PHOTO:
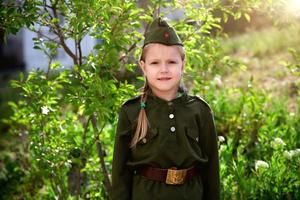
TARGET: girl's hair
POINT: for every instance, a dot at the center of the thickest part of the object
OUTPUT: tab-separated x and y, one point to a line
145	49
142	120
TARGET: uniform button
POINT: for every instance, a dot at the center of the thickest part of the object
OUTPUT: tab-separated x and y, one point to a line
197	139
172	129
171	116
144	140
170	103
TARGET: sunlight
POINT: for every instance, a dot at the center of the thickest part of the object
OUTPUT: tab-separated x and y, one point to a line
293	7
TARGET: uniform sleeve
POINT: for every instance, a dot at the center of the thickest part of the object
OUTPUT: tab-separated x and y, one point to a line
121	174
210	174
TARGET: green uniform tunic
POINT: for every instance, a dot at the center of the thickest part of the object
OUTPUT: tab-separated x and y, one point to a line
181	134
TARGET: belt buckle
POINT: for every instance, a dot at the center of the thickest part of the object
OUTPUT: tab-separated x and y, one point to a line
176	177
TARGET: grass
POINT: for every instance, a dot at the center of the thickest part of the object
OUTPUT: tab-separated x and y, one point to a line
262	52
268	41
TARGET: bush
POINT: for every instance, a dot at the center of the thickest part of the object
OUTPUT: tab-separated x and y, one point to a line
258	144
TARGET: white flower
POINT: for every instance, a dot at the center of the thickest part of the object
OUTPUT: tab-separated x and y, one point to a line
261	164
277	142
297	152
292	114
45	110
292	153
221	139
68	165
287	154
206	87
218	80
222	148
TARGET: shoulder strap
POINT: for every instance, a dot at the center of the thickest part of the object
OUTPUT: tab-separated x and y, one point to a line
132	100
202	101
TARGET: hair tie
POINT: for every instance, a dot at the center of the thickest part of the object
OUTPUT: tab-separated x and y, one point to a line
143	105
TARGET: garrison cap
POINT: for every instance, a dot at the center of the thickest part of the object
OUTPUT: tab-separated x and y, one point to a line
160	32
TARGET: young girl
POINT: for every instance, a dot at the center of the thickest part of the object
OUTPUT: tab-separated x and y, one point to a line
166	143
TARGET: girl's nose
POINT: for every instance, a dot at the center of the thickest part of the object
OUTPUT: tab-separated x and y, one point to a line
164	68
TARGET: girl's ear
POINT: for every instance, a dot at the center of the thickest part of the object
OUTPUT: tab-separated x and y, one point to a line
142	66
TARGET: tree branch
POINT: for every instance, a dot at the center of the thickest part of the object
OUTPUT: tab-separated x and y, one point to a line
130	49
107	183
39	32
80	51
60	35
85	132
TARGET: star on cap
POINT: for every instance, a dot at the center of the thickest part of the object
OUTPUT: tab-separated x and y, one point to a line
166	35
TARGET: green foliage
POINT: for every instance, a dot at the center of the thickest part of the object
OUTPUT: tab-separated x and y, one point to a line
15	15
257	128
65	118
294	66
264	42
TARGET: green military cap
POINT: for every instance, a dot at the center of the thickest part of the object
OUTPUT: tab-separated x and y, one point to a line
160	32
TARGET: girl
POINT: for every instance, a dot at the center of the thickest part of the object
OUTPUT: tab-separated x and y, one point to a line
166	143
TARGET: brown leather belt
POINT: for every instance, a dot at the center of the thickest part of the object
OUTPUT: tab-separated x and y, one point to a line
170	176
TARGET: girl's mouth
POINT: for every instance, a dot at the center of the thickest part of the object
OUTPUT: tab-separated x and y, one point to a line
164	79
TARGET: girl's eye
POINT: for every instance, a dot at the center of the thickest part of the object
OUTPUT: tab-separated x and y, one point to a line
154	63
172	62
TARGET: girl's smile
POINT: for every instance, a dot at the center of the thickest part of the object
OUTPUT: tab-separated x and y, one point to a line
164	78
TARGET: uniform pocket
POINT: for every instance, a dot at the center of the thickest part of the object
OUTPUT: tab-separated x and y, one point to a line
192	134
147	147
151	135
193	141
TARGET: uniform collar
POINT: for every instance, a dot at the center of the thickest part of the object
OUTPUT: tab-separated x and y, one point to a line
181	98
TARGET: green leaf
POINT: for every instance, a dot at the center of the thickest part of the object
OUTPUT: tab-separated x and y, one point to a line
247	16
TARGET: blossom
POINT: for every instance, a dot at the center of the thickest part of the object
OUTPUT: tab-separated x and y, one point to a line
277	142
292	114
45	110
218	80
259	164
287	154
296	152
221	139
292	153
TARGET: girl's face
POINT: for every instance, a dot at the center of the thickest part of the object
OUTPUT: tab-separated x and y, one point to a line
163	67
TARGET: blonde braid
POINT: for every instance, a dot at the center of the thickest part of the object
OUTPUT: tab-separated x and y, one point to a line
142	122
